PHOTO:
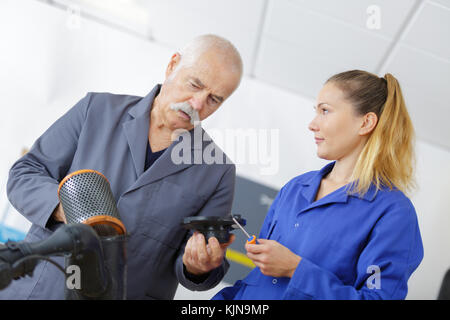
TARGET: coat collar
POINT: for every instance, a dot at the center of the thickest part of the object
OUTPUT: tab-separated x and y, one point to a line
311	186
136	129
144	105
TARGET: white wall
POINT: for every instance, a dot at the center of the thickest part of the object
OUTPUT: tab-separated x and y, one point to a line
47	67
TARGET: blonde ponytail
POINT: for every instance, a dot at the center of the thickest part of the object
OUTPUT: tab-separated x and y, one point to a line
387	159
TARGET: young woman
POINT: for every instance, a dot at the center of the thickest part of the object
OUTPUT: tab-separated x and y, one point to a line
347	231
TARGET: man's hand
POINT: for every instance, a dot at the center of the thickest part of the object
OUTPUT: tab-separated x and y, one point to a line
200	258
58	214
272	258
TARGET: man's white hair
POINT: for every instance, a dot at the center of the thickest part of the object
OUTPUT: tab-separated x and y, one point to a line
199	45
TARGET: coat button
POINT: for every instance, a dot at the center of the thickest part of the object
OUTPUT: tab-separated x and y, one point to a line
274	281
296	225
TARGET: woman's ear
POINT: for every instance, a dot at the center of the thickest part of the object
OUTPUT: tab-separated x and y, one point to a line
173	63
369	123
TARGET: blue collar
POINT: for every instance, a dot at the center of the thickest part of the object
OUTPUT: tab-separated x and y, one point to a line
312	184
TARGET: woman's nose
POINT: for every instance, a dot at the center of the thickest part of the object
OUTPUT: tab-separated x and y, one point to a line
313	125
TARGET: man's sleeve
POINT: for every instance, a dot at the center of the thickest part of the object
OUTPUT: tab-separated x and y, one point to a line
219	205
33	179
229	293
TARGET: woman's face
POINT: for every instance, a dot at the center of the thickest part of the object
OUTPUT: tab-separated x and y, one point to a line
336	126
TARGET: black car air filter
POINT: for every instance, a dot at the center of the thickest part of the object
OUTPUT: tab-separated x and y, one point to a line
218	227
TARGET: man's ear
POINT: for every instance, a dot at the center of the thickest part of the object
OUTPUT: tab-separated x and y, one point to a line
369	123
173	63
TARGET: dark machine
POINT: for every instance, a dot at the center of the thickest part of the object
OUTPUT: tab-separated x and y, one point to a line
94	240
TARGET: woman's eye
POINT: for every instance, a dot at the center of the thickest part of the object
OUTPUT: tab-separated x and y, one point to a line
324	111
193	85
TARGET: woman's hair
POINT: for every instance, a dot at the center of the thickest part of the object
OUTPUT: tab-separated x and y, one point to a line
387	159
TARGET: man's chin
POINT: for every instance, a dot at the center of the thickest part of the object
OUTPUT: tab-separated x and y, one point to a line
182	125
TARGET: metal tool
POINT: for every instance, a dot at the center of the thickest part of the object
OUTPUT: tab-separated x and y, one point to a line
250	239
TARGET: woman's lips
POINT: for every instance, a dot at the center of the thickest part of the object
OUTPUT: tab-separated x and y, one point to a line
318	140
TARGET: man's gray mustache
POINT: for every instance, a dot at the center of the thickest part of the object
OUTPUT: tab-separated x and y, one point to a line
187	108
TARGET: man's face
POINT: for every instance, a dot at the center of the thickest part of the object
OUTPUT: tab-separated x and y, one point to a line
196	89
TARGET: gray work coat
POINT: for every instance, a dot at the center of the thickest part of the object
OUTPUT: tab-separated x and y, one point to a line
109	133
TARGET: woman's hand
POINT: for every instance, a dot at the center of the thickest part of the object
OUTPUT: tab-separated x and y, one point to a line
272	258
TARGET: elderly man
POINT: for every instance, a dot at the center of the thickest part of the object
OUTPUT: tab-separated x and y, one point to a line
131	141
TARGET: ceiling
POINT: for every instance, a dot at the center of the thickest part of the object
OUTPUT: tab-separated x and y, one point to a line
298	44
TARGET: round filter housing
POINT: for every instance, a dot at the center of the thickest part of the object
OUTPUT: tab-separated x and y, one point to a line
86	197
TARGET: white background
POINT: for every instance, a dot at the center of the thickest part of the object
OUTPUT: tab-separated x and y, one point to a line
49	59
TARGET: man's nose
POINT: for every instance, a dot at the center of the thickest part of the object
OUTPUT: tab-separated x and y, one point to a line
197	102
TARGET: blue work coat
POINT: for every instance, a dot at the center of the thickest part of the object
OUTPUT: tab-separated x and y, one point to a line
350	247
